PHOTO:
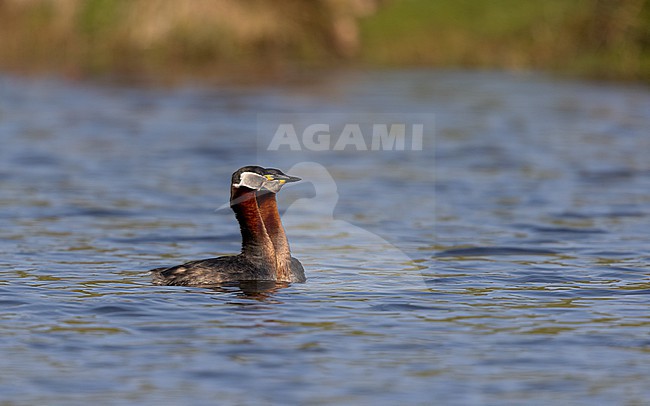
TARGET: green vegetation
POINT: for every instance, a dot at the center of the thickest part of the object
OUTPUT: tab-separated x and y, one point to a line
589	37
596	38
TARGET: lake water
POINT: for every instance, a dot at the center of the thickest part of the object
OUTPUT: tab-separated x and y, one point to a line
504	262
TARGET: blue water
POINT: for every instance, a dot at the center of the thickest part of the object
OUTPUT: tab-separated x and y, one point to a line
506	262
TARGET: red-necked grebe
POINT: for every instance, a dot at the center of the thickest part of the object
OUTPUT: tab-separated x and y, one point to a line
257	260
288	268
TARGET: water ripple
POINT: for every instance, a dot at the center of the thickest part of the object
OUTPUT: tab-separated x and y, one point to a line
493	251
506	263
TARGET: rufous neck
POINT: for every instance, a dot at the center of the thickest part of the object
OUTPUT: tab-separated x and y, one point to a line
255	240
268	207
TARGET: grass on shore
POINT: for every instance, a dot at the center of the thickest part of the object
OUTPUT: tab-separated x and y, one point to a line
597	38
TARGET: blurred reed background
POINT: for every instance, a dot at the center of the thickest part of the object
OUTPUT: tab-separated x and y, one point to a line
592	38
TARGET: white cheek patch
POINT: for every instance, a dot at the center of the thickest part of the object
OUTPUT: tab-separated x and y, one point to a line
273	186
250	180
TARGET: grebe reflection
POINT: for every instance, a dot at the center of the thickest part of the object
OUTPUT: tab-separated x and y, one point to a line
258	260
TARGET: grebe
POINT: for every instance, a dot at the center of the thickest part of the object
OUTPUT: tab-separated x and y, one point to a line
288	268
257	260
